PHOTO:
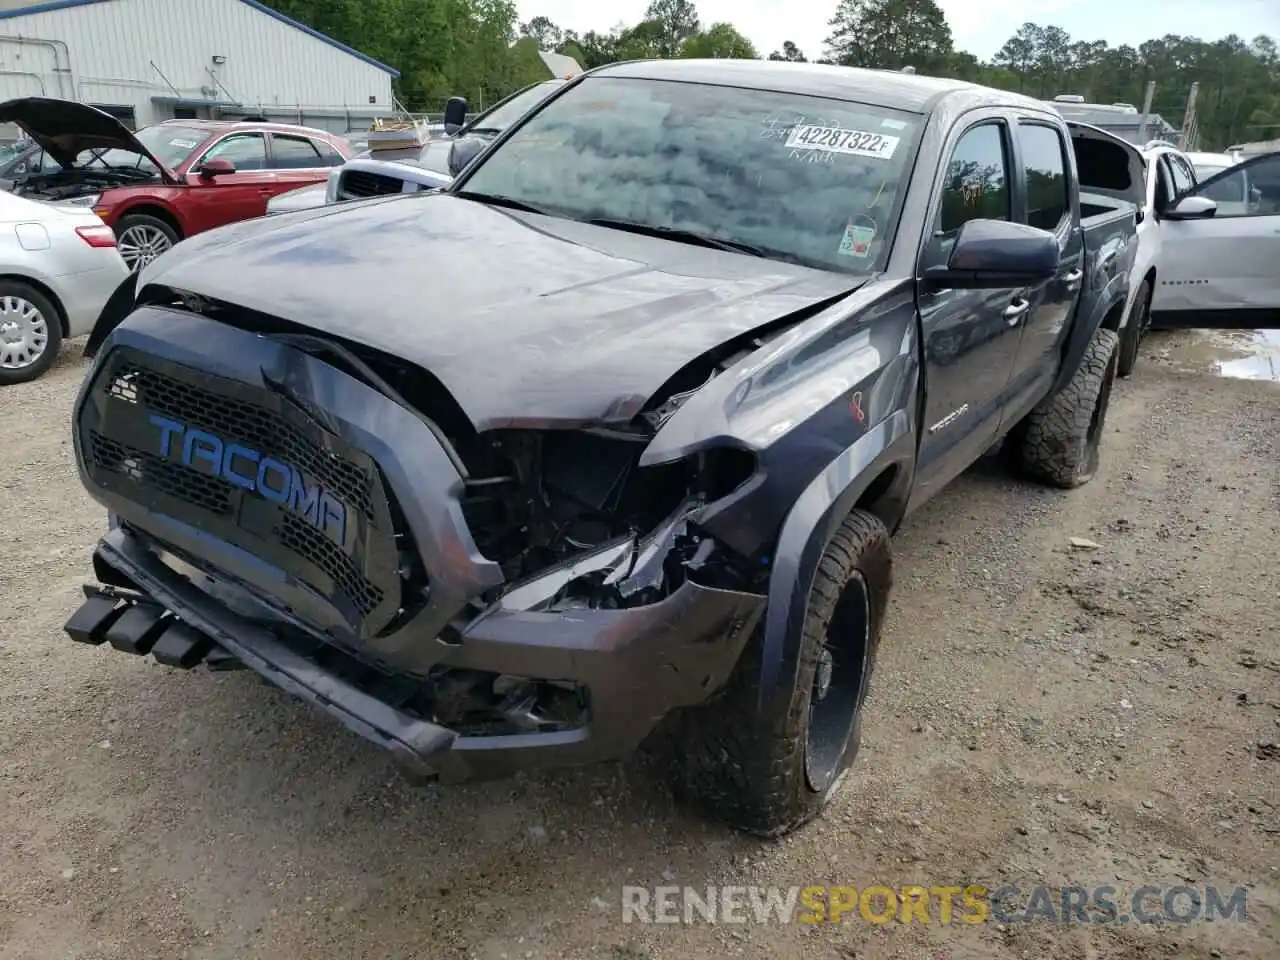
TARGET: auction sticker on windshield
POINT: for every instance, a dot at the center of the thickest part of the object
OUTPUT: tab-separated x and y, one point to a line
841	140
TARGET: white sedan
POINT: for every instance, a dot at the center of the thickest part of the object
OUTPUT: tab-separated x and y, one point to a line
58	267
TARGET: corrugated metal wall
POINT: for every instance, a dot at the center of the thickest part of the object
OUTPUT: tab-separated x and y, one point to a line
126	52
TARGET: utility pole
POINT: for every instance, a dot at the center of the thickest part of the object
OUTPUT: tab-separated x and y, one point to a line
1190	129
1146	111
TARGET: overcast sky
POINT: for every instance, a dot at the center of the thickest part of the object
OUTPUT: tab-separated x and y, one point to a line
979	26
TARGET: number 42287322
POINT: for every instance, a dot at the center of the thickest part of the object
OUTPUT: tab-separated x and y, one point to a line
842	140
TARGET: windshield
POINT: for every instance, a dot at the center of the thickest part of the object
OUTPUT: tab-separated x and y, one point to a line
804	179
511	110
12	151
170	144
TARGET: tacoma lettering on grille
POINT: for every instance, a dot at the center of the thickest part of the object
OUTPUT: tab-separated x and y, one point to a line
157	397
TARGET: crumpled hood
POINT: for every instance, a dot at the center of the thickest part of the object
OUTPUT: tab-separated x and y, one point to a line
65	128
525	319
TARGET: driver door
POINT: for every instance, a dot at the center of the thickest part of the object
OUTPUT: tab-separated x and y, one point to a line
230	197
1220	271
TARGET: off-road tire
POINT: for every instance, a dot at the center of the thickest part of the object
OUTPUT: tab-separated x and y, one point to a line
1059	441
1134	330
746	766
52	319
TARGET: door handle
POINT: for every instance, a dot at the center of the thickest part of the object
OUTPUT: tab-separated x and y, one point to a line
1015	311
1072	279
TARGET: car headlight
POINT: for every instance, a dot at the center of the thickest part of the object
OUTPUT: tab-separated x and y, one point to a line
88	200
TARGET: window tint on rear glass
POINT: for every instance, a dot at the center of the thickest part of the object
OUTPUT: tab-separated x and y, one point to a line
1043	158
805	179
293	152
976	185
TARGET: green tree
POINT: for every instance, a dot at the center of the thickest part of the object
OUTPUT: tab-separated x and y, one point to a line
547	35
890	34
678	21
789	52
719	40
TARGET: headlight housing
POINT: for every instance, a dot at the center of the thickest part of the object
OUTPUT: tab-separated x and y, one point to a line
88	200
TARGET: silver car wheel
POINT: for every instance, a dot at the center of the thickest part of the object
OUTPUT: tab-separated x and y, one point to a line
24	333
140	244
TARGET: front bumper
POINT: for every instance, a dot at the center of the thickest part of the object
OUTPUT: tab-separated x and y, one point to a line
637	665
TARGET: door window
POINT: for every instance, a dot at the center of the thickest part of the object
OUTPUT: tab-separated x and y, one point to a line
248	151
1043	159
1184	177
976	184
1250	189
291	153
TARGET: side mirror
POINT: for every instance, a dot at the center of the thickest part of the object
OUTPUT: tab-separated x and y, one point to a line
462	152
218	165
1192	208
990	254
455	113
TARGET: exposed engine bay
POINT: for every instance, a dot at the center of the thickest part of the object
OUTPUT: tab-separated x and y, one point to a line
81	182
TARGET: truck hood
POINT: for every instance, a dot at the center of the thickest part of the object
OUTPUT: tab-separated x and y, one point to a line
527	320
65	129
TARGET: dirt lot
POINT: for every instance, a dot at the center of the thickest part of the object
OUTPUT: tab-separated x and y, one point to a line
1043	714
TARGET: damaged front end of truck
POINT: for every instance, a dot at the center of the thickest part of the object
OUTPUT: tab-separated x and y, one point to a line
478	602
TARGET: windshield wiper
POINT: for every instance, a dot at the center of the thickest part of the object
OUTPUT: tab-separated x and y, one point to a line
682	236
497	200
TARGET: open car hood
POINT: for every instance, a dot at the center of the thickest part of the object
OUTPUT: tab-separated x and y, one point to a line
64	129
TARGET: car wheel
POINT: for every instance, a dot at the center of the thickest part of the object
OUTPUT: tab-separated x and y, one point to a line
30	333
1059	442
1134	330
141	238
770	770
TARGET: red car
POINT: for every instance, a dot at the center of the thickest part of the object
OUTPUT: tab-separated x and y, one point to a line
171	180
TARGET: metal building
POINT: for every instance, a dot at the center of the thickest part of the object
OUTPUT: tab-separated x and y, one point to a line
151	60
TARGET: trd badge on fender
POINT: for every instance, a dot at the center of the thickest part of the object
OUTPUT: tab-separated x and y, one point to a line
273	480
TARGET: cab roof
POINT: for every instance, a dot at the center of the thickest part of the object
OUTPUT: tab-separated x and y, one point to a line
900	91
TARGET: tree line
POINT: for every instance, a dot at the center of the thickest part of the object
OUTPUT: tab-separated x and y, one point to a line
480	50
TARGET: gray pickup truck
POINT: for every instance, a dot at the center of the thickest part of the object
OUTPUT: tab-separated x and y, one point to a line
607	438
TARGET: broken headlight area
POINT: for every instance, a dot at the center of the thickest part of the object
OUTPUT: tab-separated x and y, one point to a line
575	522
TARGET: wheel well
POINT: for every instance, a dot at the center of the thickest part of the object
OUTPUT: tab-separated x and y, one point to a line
160	213
48	294
1112	320
875	500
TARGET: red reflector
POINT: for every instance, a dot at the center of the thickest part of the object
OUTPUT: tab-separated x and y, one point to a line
98	236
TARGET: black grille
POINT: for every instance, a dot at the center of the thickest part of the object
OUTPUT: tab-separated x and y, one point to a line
122	452
354	184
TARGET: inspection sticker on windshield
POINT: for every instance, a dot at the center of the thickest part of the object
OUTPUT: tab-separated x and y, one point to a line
184	144
842	140
857	241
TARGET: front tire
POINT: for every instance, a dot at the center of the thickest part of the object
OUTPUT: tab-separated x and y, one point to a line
1059	442
30	333
769	771
141	238
1134	330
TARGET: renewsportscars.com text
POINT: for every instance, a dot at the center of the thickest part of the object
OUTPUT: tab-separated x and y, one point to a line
945	904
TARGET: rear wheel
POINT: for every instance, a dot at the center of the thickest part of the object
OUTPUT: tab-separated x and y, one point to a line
1059	442
1134	330
141	238
770	770
30	332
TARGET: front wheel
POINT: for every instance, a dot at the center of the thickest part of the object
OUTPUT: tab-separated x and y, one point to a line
770	770
1134	330
141	238
1059	442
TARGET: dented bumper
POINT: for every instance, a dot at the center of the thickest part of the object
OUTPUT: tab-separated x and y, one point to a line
635	665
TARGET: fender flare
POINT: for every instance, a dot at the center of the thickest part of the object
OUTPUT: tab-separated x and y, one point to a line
1115	293
809	526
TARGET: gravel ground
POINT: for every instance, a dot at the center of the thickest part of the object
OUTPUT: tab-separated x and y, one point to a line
1043	714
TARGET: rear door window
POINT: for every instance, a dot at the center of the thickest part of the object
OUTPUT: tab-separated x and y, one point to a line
1044	160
